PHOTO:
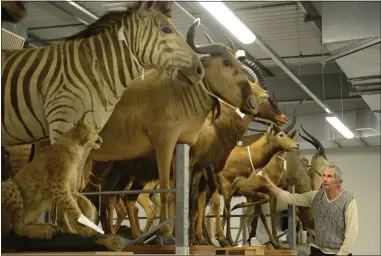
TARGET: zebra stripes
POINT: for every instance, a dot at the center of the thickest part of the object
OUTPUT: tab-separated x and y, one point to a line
45	90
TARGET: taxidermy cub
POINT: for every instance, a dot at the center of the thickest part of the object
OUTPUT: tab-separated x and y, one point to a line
46	180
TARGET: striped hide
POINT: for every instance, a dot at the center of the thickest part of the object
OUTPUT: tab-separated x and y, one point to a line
46	90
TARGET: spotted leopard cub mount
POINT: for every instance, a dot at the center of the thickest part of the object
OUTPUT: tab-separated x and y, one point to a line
46	179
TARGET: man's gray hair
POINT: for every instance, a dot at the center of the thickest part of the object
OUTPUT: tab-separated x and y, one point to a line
337	170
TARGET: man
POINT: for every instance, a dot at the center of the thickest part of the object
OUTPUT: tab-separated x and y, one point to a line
335	212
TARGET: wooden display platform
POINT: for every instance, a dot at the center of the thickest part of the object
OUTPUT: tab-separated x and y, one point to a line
66	253
280	252
244	250
169	249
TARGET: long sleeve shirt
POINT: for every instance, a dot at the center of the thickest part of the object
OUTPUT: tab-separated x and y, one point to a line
351	219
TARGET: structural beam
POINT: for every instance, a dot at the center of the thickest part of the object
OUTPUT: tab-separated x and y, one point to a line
364	92
34	38
311	15
352	48
283	65
291	222
72	8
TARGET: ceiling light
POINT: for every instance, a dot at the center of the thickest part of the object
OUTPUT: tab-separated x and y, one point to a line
82	9
227	18
340	127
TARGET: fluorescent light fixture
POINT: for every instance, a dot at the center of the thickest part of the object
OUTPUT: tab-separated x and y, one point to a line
328	111
340	127
82	9
227	18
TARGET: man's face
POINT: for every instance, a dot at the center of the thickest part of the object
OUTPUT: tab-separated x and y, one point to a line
329	179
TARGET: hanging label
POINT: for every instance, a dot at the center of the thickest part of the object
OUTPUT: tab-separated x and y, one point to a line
85	221
242	115
284	162
121	35
143	74
240	53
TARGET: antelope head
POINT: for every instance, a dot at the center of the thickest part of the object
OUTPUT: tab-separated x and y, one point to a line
275	136
224	75
267	108
318	162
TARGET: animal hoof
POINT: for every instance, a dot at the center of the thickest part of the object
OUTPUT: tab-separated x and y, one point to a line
168	240
223	242
48	233
230	240
57	228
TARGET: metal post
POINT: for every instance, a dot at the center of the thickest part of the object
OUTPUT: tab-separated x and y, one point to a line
291	222
182	199
244	231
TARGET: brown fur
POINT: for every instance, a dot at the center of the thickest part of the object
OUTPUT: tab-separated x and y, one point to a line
46	179
238	163
153	115
213	146
295	174
13	11
218	138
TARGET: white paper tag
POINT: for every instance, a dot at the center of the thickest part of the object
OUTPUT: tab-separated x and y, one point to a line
240	53
239	143
121	36
85	221
242	115
285	165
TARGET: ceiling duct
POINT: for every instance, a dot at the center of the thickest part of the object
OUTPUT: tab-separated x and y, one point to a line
351	32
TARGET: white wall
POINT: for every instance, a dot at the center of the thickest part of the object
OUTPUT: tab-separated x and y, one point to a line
361	174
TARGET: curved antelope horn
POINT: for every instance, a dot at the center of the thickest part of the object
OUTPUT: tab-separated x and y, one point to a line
208	38
250	73
213	49
318	144
257	71
267	122
256	130
309	140
292	125
275	100
231	43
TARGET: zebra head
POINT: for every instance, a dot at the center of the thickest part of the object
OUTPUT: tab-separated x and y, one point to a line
157	43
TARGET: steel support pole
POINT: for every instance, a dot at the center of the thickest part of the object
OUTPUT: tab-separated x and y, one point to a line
182	199
291	222
244	231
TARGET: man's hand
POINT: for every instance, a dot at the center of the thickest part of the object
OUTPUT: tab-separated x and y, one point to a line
264	179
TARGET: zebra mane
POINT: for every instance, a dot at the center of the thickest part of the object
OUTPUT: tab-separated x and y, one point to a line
104	23
108	20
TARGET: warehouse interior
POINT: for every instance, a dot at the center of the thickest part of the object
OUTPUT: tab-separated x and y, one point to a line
330	50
